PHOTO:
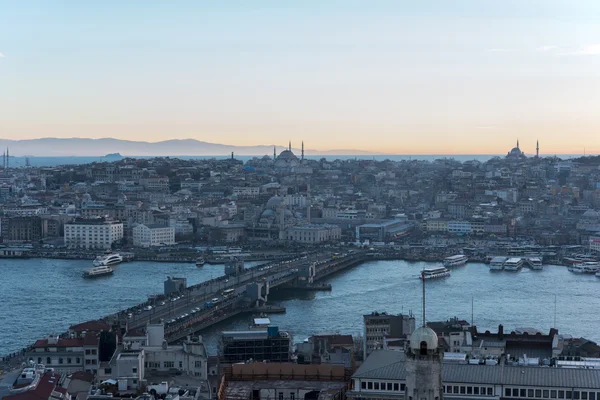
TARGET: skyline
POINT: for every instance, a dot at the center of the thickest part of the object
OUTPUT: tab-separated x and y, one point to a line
458	77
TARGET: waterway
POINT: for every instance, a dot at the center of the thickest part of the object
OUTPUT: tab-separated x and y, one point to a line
44	296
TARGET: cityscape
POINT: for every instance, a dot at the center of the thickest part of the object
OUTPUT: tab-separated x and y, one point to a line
316	200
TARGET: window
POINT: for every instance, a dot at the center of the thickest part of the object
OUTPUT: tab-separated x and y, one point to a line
280	396
69	360
523	393
469	390
455	390
515	392
553	394
538	393
569	394
546	394
402	387
292	396
168	364
561	394
376	385
389	386
476	390
60	360
396	387
529	392
576	395
48	360
490	391
87	351
463	390
39	360
363	385
135	381
592	396
94	351
370	385
584	396
134	370
107	370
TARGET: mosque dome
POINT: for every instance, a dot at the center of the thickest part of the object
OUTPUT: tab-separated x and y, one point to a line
86	197
274	203
287	155
423	334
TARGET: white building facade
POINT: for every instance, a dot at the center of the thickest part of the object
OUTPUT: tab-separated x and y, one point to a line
153	235
93	233
313	233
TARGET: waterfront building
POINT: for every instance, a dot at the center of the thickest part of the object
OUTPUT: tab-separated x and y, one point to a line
260	344
379	327
379	232
67	355
385	375
595	244
313	233
32	384
23	228
324	348
149	235
97	233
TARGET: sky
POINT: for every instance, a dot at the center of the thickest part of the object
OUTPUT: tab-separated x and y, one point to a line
397	77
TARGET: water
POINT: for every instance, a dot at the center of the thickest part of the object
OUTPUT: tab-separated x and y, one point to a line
42	296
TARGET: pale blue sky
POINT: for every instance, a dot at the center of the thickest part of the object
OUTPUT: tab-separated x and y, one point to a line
392	76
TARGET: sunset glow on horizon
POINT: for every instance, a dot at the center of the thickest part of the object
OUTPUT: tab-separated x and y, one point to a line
390	77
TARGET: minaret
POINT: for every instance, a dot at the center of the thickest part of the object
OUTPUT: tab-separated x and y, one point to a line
518	144
7	158
274	153
4	160
290	146
302	157
537	149
424	363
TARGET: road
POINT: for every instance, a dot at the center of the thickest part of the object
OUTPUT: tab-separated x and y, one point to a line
195	296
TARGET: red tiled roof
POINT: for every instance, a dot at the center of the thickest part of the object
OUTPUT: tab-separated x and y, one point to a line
91	339
42	391
62	342
135	333
94	326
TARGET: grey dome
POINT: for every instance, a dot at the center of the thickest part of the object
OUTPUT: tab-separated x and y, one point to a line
423	334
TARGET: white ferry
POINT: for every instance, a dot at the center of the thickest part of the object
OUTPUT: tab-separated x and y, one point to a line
589	267
98	271
108	259
535	263
497	263
200	262
513	264
453	261
434	273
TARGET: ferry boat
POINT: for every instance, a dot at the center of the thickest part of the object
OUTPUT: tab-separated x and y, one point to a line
535	263
453	261
200	262
497	263
108	259
98	271
434	273
513	264
590	267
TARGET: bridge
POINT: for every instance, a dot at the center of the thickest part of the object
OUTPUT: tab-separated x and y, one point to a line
205	304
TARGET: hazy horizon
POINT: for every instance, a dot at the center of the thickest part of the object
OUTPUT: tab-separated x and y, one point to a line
460	77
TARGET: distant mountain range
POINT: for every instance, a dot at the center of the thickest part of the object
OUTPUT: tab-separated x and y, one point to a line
59	147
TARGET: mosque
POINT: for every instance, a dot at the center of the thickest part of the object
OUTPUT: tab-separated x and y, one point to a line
288	162
516	154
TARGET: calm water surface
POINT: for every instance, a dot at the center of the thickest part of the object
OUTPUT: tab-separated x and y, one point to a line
44	296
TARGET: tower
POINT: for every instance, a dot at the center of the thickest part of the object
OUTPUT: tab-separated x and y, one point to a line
274	153
7	158
302	156
290	146
424	363
537	149
518	144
